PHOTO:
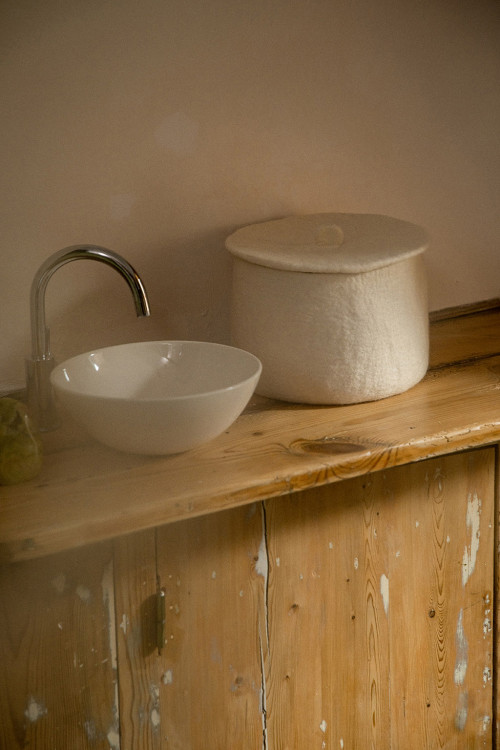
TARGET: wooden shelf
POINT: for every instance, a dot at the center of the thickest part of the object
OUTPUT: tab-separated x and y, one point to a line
87	493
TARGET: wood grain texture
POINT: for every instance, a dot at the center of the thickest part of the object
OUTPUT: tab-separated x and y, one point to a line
356	614
378	639
88	493
458	311
138	666
464	338
204	690
58	653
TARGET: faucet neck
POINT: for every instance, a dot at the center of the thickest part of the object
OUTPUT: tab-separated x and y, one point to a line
38	368
40	336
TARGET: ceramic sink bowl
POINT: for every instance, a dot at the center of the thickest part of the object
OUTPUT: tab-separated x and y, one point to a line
157	397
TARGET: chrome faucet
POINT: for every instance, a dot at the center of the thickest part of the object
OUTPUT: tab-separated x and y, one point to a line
40	364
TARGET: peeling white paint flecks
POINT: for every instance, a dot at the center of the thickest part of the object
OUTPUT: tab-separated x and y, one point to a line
262	564
107	585
214	575
330	545
341	744
473	523
417	524
113	739
83	593
34	710
59	583
323	726
167	677
109	603
486	676
154	714
91	730
384	591
278	562
356	563
262	568
124	624
461	718
461	712
486	623
462	651
485	724
251	510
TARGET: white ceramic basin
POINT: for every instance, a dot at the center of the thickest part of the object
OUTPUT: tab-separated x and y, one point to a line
157	397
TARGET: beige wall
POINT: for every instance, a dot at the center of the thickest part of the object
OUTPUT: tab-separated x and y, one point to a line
158	127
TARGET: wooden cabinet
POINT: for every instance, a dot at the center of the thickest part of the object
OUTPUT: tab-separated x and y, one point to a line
58	676
358	615
355	615
329	578
377	610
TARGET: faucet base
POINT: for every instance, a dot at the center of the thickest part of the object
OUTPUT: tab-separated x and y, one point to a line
40	396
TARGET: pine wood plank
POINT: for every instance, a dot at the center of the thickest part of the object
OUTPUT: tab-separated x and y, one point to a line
327	681
138	665
88	493
58	653
464	338
441	640
210	691
376	639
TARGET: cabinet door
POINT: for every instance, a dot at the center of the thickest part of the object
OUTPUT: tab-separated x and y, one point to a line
205	689
380	610
58	653
355	616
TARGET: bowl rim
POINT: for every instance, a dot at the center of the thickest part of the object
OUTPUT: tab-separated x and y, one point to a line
65	387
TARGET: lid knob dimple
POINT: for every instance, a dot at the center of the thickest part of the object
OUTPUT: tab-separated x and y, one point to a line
329	235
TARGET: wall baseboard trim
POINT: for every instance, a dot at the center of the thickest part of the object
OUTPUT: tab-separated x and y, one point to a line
460	311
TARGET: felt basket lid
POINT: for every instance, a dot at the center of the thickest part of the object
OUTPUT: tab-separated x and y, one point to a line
328	243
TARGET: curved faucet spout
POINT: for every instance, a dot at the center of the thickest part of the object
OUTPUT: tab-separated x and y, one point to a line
40	340
39	390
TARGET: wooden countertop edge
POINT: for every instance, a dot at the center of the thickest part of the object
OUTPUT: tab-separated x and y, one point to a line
104	527
291	448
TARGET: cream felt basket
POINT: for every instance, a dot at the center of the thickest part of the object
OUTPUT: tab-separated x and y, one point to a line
334	306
